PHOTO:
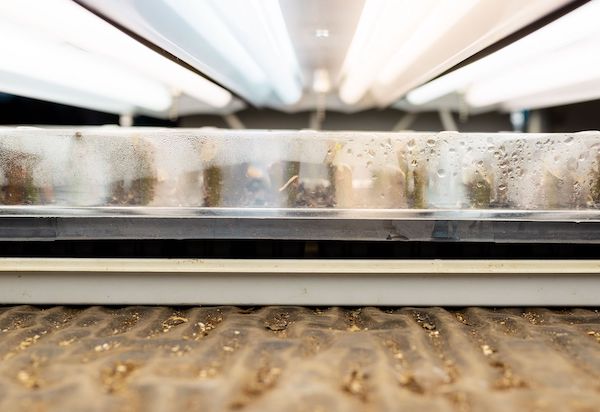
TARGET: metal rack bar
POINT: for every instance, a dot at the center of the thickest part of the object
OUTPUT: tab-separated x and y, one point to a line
31	223
301	282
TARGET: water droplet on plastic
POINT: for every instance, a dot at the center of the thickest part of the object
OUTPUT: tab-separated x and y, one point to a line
441	173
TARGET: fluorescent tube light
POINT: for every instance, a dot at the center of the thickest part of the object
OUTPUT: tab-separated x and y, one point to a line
519	57
400	44
556	97
204	17
71	23
243	44
17	84
260	28
432	29
382	26
556	70
38	67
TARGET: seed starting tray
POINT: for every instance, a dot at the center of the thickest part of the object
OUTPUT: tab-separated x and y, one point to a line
148	183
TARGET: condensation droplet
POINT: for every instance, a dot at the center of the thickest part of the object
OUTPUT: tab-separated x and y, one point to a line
441	173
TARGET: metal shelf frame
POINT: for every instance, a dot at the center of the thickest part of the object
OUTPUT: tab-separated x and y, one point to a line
300	282
62	223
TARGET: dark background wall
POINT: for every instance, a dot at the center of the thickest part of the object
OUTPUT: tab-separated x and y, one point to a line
16	110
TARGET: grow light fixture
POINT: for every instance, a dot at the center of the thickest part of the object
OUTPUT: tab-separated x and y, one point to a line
562	56
106	61
399	44
573	93
251	36
243	44
557	70
37	67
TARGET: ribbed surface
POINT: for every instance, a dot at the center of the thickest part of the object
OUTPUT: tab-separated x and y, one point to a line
298	359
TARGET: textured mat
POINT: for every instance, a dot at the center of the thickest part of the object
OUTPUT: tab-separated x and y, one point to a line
298	359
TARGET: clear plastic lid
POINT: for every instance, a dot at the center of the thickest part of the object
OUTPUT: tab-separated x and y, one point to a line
211	168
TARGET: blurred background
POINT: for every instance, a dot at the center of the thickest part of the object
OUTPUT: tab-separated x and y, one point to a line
428	65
